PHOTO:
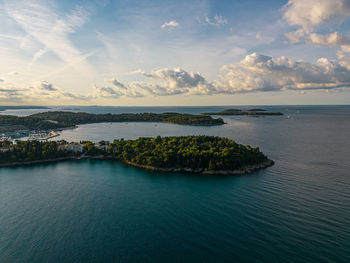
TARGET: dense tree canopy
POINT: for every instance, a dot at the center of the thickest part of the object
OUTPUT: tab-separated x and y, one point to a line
61	119
187	152
25	151
195	152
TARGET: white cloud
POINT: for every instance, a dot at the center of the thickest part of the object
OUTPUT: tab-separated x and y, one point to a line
333	39
117	90
175	81
107	92
38	92
171	24
218	20
330	39
311	13
255	73
262	73
116	83
296	36
345	48
44	90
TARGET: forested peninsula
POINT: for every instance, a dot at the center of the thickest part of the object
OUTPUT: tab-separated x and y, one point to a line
193	154
63	119
251	112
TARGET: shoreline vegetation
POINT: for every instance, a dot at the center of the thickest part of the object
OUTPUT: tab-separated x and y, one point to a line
181	154
3	108
251	112
56	120
60	120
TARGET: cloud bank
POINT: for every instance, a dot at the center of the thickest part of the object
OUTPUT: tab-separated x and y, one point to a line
262	73
38	92
309	15
255	73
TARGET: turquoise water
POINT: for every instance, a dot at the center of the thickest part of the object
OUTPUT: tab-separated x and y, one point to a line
103	211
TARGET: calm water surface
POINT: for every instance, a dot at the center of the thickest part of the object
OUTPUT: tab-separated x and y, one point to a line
103	211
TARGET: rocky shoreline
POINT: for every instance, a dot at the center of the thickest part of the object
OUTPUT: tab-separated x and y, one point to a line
244	170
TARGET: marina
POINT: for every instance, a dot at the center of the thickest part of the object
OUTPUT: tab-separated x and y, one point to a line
43	136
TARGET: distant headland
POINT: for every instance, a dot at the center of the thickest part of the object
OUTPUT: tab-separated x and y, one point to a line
2	108
189	154
251	112
63	119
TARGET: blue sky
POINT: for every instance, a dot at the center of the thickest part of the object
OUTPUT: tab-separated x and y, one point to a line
174	52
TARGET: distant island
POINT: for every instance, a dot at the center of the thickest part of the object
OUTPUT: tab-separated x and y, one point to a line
2	108
251	112
192	154
62	119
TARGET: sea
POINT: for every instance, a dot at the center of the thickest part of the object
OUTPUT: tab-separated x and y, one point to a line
103	211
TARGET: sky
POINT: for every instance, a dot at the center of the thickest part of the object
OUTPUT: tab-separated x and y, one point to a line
200	52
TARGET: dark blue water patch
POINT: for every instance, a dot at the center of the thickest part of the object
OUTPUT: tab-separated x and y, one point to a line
103	211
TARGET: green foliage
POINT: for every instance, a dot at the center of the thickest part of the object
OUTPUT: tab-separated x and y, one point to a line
25	151
69	119
195	152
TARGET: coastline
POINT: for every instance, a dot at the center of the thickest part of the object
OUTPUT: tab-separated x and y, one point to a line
243	170
55	160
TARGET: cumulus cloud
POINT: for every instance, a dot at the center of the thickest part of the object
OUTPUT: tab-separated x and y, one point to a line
345	48
46	90
218	20
107	92
170	25
175	81
330	39
311	13
262	73
255	73
333	39
116	89
297	36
